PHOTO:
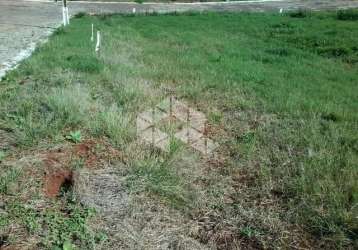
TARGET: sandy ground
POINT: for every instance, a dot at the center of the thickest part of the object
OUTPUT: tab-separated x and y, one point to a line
25	23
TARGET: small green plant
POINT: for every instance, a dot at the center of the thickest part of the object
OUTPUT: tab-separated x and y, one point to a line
247	137
67	245
174	145
249	232
75	136
139	1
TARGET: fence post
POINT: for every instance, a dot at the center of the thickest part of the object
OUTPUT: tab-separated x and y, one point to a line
188	125
92	36
98	45
64	15
153	126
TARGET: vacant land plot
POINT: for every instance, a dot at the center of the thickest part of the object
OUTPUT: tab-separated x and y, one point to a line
281	97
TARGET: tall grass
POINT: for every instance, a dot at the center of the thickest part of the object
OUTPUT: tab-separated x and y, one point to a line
280	91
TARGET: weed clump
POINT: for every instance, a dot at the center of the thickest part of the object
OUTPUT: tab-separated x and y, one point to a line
59	31
301	13
330	117
347	15
335	51
80	15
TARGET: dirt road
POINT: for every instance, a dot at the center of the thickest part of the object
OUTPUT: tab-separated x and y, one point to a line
24	23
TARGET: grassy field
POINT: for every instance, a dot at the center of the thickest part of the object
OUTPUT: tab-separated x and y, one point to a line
281	96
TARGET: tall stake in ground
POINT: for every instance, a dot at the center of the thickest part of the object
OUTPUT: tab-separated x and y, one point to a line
92	36
65	16
153	126
98	44
188	124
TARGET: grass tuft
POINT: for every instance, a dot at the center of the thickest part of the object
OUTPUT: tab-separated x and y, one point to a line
114	124
84	63
70	107
160	179
7	179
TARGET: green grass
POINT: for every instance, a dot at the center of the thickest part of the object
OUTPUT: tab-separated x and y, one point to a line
61	224
281	90
160	179
61	227
7	178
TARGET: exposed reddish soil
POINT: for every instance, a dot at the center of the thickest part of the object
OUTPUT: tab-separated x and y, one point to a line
58	158
55	180
93	154
86	151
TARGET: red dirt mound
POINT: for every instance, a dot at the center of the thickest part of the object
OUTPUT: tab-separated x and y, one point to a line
93	154
55	180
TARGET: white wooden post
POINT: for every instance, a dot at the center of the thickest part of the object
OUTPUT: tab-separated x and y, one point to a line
92	36
98	45
65	16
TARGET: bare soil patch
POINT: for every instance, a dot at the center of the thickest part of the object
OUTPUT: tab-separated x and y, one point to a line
59	163
55	181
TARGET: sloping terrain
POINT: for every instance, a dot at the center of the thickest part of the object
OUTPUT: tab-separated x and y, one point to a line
280	96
